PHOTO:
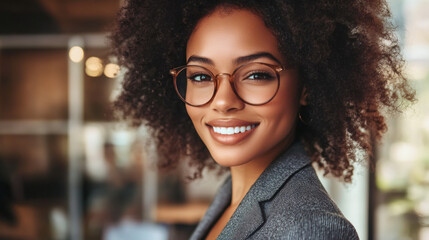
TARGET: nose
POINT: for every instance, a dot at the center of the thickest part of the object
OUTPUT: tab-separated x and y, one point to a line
225	99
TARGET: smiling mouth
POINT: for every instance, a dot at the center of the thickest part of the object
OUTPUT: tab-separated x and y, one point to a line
233	130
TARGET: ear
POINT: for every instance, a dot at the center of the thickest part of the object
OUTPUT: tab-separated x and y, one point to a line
303	97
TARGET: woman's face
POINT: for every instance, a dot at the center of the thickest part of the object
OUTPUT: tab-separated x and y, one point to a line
216	43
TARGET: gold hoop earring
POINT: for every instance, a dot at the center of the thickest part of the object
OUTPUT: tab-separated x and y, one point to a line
300	118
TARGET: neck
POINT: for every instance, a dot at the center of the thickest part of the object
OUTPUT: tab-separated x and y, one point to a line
245	175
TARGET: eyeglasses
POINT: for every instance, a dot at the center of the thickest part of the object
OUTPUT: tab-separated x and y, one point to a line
254	83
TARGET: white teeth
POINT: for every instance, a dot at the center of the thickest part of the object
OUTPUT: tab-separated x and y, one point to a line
233	130
242	129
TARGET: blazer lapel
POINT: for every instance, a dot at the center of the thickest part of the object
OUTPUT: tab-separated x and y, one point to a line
219	204
249	215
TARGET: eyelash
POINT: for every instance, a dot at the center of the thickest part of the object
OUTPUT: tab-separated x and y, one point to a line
192	77
266	75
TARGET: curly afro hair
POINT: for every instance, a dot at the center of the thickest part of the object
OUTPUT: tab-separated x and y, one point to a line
345	51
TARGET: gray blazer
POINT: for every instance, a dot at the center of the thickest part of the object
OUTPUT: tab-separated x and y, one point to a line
286	202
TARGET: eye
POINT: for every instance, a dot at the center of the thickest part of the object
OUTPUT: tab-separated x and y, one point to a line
199	77
259	75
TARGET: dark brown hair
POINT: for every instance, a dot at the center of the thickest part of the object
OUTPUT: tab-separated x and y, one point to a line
346	53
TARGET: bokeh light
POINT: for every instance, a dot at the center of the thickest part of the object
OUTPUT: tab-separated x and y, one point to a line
111	70
403	152
76	54
94	67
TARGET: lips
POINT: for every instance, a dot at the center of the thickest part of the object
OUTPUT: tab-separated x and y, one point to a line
231	131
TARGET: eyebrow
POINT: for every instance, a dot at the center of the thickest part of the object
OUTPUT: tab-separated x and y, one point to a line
195	58
255	56
237	61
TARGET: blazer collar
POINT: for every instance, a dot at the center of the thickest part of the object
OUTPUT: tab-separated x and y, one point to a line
217	207
249	215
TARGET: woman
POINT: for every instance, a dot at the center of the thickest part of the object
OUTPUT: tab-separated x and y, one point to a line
265	88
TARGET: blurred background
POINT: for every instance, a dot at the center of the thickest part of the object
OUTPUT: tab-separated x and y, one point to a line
69	170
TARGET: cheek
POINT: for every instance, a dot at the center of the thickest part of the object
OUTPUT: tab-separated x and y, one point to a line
195	114
284	106
280	117
192	113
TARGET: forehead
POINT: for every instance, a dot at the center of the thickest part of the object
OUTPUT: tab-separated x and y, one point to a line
229	34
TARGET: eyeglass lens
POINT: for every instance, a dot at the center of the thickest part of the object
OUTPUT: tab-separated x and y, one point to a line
254	83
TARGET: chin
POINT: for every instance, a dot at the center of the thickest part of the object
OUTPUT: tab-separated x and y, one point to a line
229	160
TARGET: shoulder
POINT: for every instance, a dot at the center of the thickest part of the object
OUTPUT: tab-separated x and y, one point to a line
302	191
313	225
302	209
